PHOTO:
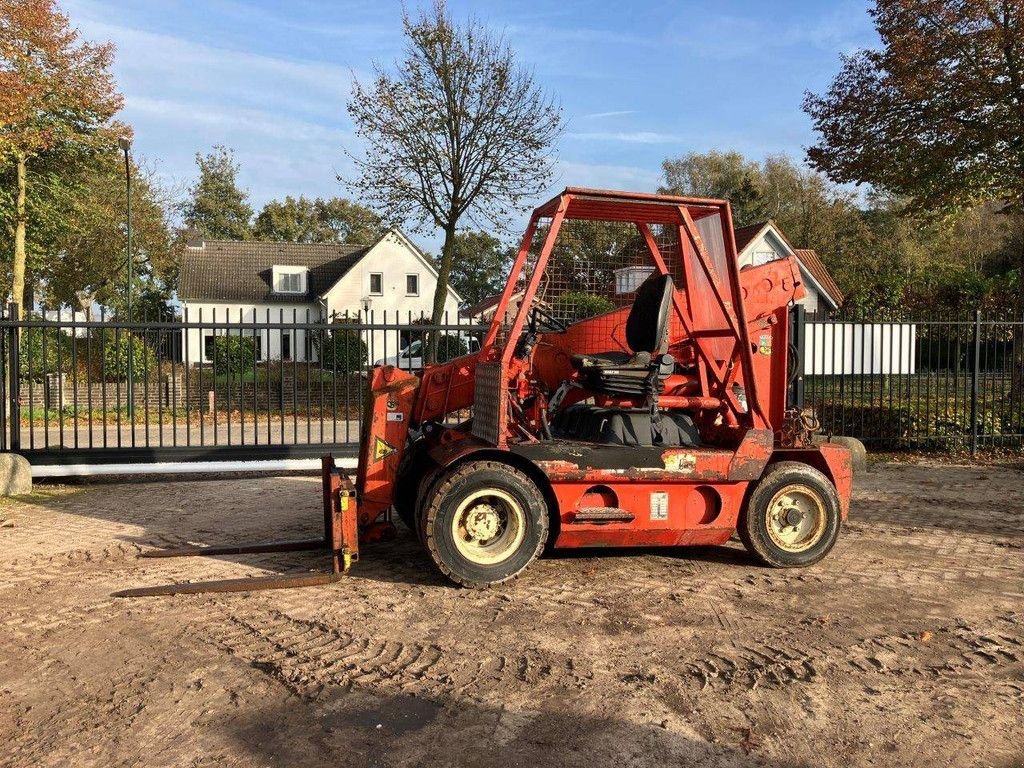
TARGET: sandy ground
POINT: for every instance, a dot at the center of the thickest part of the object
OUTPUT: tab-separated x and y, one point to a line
905	647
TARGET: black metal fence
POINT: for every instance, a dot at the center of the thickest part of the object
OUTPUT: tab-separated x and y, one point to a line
214	385
949	382
288	383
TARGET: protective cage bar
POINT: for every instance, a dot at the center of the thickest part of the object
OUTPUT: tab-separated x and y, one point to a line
584	255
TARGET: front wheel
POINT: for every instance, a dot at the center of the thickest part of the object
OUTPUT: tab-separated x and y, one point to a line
484	522
792	517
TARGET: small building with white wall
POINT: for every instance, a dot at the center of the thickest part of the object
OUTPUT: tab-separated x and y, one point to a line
291	285
764	241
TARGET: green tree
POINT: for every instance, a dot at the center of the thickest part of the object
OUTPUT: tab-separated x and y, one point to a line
459	130
44	351
217	208
715	174
57	99
48	177
302	220
480	266
92	240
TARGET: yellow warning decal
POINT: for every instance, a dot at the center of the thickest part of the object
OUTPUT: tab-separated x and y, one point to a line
680	462
382	449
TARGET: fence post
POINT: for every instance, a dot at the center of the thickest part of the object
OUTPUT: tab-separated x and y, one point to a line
797	341
975	371
14	372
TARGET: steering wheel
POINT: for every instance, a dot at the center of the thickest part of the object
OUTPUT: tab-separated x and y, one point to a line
542	321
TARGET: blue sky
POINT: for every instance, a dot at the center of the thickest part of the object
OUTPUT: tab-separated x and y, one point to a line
639	81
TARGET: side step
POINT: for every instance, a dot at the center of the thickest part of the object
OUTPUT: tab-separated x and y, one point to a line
602	515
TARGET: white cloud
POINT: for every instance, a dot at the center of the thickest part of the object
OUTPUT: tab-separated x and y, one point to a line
284	117
613	113
630	137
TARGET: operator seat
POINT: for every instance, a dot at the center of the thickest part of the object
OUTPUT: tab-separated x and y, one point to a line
643	372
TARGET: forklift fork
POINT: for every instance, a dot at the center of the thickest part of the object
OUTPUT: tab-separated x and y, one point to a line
341	539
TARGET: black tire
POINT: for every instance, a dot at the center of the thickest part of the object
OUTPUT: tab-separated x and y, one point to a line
474	499
814	501
414	465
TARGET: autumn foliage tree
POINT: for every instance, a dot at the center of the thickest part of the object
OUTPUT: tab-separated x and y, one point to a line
57	97
936	115
459	130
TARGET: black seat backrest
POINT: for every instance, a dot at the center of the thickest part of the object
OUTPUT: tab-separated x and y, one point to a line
647	325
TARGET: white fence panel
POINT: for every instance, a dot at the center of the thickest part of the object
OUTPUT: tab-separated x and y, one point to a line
844	349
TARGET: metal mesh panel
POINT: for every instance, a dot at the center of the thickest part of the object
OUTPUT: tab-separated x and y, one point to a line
594	267
488	402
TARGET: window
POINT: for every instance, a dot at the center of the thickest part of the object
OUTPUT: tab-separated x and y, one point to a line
763	257
376	283
289	279
412	285
286	345
208	347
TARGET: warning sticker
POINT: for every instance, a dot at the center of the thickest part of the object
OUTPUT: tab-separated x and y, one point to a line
680	462
396	416
764	344
382	449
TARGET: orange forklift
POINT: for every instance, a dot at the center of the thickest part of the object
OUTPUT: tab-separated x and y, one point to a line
632	390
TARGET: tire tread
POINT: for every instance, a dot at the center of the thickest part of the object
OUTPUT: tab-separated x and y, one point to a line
432	508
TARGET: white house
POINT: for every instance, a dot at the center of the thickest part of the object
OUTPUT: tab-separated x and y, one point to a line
764	241
225	281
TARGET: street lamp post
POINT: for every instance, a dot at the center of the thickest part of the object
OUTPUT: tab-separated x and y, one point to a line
126	145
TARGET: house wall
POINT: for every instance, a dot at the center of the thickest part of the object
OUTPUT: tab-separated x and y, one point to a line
271	342
765	247
393	258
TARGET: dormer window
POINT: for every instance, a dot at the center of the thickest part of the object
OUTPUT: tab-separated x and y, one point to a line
289	279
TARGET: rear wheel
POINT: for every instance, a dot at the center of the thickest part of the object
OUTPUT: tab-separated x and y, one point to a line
792	517
484	522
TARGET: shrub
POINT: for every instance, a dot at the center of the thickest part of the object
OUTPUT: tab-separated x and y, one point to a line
342	351
115	358
44	351
234	354
450	346
573	306
920	426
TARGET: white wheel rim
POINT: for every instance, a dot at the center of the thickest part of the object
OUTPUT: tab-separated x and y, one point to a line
796	518
489	526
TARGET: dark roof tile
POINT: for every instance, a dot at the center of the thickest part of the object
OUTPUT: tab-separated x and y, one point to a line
813	264
229	270
744	235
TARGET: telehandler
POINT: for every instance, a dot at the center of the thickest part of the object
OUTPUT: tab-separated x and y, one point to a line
632	390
